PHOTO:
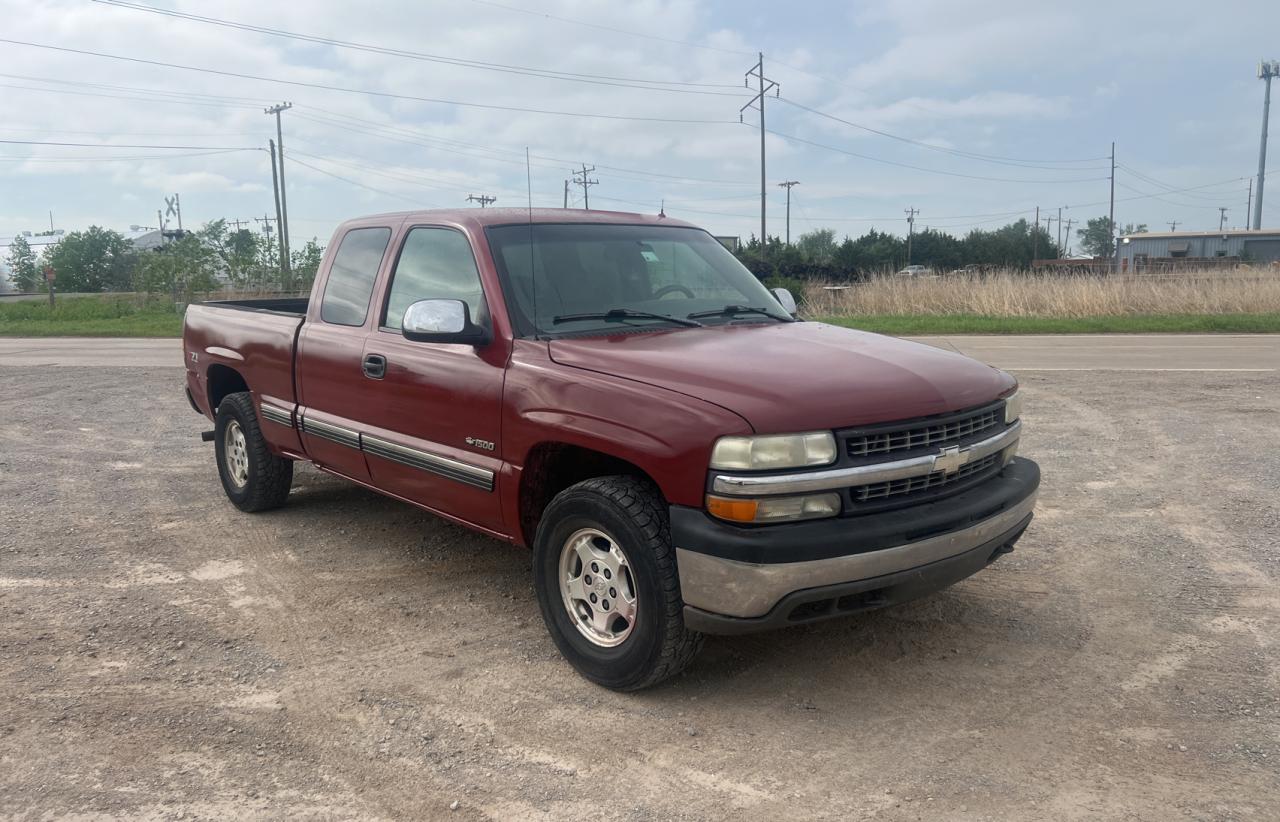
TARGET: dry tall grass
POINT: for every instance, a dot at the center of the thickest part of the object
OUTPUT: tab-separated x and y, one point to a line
1018	294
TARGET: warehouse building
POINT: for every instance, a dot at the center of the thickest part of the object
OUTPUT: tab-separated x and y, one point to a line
1165	247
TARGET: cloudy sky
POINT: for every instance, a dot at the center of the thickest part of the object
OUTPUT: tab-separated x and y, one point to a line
993	108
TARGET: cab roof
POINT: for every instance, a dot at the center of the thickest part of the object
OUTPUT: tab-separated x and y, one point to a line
484	217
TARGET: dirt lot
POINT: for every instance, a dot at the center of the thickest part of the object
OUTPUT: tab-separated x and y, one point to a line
164	656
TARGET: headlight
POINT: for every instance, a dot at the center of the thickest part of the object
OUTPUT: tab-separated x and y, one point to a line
1013	407
774	509
774	451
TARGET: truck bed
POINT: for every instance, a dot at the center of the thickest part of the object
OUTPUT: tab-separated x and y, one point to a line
252	338
276	305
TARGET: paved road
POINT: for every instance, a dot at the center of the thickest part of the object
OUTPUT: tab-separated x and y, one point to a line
1085	352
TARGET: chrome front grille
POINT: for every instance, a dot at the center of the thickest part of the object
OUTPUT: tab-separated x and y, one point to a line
927	434
927	483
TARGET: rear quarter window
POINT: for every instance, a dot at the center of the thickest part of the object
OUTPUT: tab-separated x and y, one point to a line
351	277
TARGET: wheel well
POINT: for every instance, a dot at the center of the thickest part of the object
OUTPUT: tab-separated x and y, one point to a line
223	380
552	467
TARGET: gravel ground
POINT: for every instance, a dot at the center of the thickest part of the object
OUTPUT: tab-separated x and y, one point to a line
164	656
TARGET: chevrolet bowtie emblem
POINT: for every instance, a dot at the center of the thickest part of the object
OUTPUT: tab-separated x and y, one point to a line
950	459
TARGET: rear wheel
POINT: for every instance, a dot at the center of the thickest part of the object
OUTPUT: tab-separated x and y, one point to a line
607	584
253	477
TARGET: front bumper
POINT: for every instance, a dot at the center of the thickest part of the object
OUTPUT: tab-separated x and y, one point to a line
736	579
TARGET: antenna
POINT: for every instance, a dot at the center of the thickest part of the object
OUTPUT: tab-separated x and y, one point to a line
533	271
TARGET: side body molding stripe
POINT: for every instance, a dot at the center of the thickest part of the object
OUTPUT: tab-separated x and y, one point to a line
446	467
481	478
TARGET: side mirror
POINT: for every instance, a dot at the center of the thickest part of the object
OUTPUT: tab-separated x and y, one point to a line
441	321
788	302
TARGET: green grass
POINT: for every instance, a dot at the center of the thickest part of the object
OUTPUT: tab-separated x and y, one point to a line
920	324
90	317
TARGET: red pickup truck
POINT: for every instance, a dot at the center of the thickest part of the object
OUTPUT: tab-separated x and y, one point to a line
617	393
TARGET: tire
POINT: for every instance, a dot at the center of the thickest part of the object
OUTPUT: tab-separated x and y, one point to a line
253	477
629	513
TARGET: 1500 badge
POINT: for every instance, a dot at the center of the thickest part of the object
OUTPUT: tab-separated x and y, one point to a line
477	443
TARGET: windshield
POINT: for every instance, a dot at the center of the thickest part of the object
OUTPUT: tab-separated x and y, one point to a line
592	277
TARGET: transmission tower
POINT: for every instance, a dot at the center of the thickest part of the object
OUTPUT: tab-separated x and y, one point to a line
765	85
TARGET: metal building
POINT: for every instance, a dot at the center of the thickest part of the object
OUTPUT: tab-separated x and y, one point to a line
1257	247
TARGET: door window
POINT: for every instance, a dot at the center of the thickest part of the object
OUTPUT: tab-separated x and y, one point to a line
435	264
350	283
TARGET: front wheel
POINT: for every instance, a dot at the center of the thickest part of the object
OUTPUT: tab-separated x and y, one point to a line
254	478
607	584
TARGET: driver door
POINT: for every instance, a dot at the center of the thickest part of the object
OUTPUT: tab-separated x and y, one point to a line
432	419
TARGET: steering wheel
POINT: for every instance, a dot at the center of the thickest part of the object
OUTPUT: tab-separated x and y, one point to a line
671	289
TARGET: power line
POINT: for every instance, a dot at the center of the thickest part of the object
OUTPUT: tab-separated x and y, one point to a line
35	158
816	144
989	158
612	29
550	74
125	145
410	136
368	92
417	203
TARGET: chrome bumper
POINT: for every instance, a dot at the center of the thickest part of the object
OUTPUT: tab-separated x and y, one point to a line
746	590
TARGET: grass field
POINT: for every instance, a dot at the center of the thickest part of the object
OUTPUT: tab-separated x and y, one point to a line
908	325
1211	301
90	317
1018	294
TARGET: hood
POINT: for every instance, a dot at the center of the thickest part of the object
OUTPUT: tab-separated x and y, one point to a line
794	376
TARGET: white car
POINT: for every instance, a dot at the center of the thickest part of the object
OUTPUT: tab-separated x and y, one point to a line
913	271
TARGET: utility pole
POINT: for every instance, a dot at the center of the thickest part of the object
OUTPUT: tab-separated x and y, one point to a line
285	272
1048	221
787	185
1067	235
266	224
1248	208
911	228
1222	217
483	199
1266	70
1035	238
765	85
275	189
1111	213
586	183
1059	230
1173	225
237	223
566	193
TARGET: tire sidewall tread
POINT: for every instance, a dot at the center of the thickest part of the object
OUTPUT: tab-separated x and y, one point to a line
270	476
634	514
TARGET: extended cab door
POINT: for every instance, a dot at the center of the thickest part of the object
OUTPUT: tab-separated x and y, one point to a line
431	421
330	367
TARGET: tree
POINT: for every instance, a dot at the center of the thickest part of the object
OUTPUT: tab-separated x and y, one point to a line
97	259
817	246
177	268
236	252
1096	237
304	262
22	261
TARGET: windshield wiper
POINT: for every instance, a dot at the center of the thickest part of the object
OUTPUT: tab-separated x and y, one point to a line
731	310
624	314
